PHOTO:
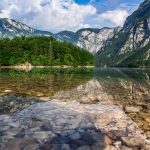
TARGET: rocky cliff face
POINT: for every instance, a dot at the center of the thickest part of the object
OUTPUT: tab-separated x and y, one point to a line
130	46
10	28
138	26
89	39
93	41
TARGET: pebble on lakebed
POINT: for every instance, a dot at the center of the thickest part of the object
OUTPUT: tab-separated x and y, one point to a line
70	125
132	109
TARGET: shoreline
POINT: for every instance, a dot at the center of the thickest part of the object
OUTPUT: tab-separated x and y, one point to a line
63	66
42	67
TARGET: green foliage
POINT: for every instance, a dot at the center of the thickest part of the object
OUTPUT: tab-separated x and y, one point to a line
45	51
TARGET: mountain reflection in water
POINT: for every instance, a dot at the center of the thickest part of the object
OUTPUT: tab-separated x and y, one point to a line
126	87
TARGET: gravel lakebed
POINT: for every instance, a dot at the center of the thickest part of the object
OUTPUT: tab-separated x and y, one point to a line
79	119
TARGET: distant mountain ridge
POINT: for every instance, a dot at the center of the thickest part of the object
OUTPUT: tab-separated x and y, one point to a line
89	39
131	46
10	28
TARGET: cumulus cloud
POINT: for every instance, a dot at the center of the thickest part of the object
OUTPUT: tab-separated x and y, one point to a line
58	15
117	17
52	15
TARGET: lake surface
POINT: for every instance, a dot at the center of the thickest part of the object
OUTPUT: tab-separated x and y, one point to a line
126	88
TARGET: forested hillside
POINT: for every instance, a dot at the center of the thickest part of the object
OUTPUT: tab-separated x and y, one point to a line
45	51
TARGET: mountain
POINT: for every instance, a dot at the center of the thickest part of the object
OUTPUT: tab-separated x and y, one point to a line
89	38
10	28
66	36
130	47
94	39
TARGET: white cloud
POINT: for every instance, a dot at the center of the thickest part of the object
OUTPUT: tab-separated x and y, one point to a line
117	17
58	15
52	15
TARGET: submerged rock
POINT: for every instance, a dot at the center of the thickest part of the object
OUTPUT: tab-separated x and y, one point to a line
72	125
117	144
40	135
75	136
85	147
132	109
31	147
107	140
133	142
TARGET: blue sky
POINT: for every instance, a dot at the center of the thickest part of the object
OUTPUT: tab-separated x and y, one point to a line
104	5
58	15
82	1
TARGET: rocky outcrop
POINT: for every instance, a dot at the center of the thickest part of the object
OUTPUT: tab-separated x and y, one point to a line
130	46
89	39
94	41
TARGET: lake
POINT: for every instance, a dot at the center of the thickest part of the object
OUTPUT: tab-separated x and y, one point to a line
32	105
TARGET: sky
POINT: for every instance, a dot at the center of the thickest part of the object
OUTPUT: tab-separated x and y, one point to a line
59	15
